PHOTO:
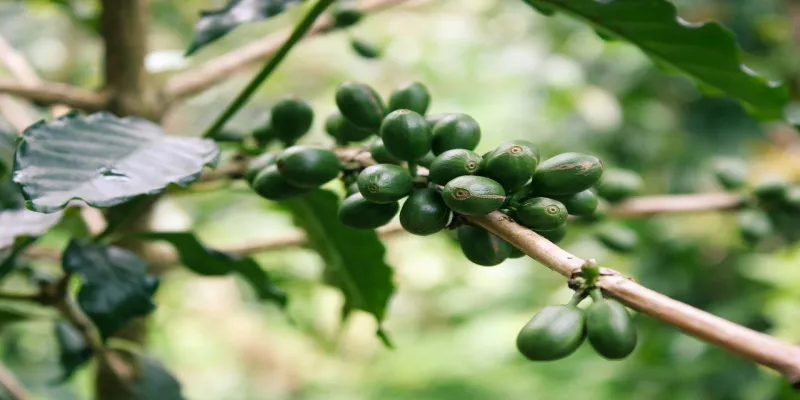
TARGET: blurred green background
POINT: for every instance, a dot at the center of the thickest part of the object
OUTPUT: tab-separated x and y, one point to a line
521	75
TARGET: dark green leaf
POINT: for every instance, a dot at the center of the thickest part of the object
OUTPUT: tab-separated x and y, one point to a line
707	52
10	196
7	146
115	286
104	160
154	382
215	24
205	261
22	222
73	350
354	258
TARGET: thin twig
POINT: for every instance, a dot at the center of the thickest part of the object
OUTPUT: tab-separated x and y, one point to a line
755	346
21	117
681	203
170	257
203	77
298	32
19	67
55	93
27	297
12	386
78	319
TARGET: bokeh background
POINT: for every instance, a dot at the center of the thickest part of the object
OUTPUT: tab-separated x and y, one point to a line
521	75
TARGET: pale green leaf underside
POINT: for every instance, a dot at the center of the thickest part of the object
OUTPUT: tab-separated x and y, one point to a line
22	222
707	53
104	160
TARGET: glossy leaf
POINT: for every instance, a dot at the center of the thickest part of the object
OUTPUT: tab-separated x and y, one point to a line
206	261
354	258
115	286
154	382
22	222
707	53
73	350
215	24
104	160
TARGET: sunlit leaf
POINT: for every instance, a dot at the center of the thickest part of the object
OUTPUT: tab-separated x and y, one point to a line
707	53
104	160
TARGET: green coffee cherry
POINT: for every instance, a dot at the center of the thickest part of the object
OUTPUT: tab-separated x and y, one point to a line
792	198
771	190
360	213
617	237
567	174
352	189
455	131
619	184
344	131
754	225
272	185
582	203
434	119
731	173
424	213
541	213
516	253
454	163
290	119
512	163
257	164
412	96
473	195
345	17
360	104
381	155
553	333
365	49
554	235
264	134
482	247
309	167
385	183
610	329
406	135
427	160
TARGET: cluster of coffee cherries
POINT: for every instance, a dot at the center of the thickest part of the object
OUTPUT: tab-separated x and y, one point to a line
557	331
770	209
429	160
458	181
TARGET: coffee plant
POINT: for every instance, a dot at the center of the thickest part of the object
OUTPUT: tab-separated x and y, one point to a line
100	163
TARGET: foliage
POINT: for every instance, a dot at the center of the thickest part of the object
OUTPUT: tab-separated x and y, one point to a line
115	286
706	52
205	261
451	321
103	160
213	25
354	259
